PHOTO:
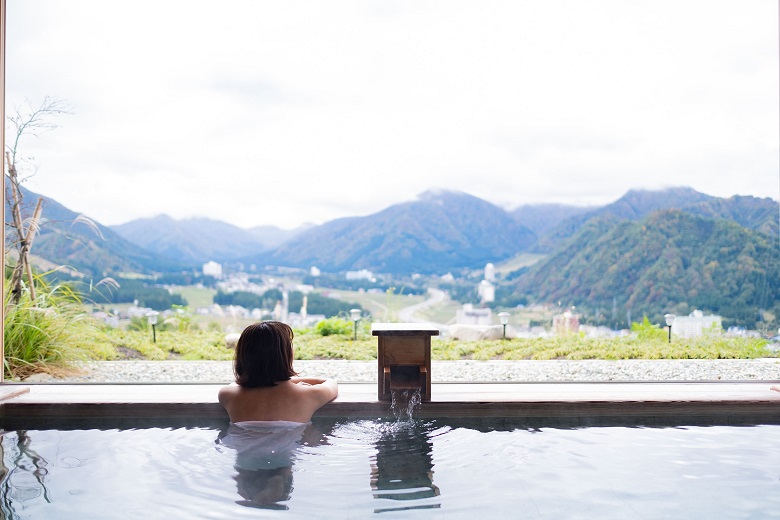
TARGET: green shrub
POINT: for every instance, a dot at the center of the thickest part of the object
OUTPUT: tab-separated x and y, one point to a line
138	323
334	325
648	331
182	320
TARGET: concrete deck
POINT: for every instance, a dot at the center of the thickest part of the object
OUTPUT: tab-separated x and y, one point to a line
553	404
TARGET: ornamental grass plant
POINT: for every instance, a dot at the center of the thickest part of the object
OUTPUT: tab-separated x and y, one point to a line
42	335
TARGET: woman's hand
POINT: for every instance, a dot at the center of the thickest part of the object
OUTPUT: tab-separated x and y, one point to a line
308	381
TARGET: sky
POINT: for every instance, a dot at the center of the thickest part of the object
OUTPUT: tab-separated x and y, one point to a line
291	112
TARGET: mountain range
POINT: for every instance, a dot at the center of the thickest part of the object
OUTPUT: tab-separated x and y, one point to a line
438	232
674	248
751	212
67	238
198	240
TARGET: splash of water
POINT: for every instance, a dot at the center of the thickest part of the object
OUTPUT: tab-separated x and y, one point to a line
404	402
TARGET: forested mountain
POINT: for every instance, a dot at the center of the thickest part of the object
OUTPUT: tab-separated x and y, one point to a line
633	256
66	238
440	231
670	261
634	205
753	213
194	241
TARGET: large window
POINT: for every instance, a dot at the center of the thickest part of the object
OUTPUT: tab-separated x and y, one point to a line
586	167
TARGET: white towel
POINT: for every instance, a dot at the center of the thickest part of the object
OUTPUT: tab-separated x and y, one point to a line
264	444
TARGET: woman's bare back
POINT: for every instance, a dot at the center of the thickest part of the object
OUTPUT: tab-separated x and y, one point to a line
295	400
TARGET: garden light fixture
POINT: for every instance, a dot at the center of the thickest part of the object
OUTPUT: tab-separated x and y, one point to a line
504	317
669	320
151	317
355	314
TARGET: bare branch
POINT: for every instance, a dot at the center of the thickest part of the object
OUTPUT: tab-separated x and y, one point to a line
35	120
31	120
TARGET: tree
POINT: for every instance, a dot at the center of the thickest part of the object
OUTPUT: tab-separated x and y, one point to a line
31	121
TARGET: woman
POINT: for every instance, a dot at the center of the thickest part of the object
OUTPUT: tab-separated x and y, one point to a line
270	409
266	387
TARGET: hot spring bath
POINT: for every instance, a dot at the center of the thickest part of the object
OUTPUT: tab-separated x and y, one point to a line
356	468
519	450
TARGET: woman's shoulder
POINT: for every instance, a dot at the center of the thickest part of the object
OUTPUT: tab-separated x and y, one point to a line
228	392
321	392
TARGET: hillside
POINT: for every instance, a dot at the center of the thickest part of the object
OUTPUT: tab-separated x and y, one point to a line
634	205
441	231
64	239
670	261
612	260
750	212
194	241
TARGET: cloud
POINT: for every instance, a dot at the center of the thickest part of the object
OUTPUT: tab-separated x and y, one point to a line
290	112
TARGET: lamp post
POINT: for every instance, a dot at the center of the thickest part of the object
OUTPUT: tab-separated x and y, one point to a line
355	315
669	320
151	316
504	317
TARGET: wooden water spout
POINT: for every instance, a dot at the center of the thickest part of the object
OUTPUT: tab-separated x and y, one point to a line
404	358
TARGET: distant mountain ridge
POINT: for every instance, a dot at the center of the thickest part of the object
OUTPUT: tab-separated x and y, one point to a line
647	253
272	236
66	238
751	212
198	240
540	218
759	215
439	231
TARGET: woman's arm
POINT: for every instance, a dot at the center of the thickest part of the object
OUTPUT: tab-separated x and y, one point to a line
320	390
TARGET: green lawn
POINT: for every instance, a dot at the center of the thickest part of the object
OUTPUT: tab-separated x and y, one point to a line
383	307
116	343
196	296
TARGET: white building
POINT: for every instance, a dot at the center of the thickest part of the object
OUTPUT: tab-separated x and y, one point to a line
486	291
696	324
212	268
490	272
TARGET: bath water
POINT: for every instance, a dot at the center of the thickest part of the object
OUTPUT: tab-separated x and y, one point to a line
398	469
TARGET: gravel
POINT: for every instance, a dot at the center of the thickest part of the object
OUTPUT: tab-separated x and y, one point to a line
766	369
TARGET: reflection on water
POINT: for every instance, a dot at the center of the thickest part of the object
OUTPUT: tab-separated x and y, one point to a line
402	469
265	454
24	480
415	468
264	488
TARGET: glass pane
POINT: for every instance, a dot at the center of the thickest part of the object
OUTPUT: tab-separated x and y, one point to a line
545	182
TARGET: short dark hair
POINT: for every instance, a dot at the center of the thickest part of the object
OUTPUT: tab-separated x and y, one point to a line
264	355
